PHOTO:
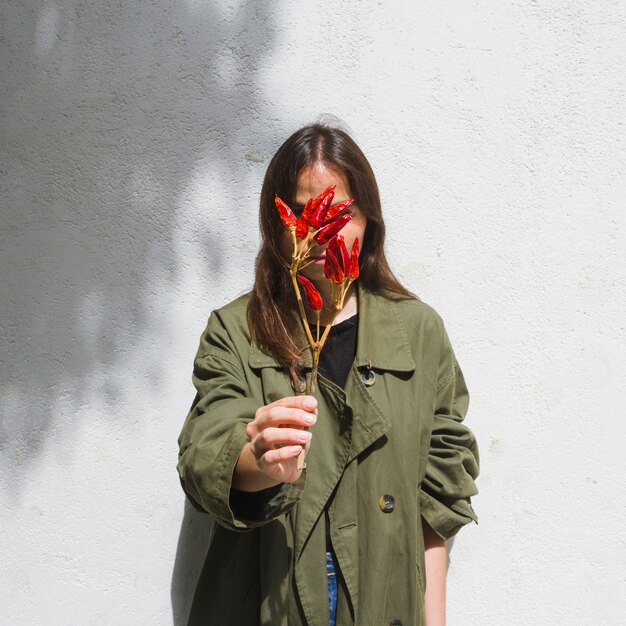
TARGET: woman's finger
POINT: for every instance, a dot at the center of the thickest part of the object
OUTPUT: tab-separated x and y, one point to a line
276	415
305	403
269	438
280	455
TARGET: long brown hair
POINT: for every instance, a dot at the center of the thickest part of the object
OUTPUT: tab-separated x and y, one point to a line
272	295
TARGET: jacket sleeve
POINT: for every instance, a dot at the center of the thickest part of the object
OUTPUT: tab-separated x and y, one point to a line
453	457
215	433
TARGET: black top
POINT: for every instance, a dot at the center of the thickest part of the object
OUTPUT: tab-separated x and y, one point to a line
336	359
338	353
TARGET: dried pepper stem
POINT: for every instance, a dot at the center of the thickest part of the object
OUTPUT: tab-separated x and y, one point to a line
294	282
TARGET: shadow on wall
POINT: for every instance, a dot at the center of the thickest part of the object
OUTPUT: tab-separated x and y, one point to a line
106	109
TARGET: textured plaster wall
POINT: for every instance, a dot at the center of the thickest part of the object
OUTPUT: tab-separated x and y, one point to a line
134	137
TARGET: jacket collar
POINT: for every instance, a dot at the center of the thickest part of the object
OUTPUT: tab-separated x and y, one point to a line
382	340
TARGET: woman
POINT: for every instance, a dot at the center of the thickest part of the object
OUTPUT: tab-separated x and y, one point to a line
358	537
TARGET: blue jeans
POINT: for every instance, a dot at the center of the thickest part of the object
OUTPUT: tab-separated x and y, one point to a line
332	588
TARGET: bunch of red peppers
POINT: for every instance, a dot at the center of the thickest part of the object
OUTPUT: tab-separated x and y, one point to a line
320	223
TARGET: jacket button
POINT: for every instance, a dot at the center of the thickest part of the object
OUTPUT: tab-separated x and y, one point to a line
368	376
395	622
387	503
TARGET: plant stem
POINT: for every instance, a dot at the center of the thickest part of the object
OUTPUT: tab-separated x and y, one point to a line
317	325
318	349
316	360
295	243
307	330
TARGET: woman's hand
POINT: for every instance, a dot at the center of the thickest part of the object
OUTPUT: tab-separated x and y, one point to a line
277	435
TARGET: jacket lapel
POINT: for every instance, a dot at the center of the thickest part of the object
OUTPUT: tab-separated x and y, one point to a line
382	345
382	337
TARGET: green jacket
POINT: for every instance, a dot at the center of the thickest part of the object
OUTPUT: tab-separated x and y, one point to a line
382	456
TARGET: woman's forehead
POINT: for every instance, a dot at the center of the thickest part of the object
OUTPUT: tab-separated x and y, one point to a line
314	179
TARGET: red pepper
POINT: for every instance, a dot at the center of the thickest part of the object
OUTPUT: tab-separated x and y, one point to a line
354	260
340	265
314	211
326	233
313	296
344	256
332	267
336	210
337	265
321	203
286	214
302	226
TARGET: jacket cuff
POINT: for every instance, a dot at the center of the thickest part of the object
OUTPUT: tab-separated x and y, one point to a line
214	497
257	507
447	517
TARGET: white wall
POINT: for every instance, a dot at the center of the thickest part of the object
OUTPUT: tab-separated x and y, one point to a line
134	140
